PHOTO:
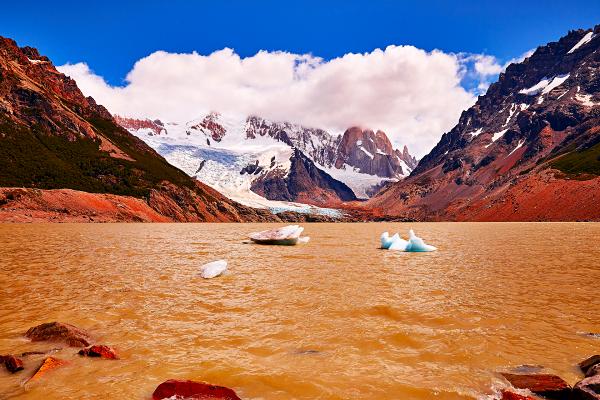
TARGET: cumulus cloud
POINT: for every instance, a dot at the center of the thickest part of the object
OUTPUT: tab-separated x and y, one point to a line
411	94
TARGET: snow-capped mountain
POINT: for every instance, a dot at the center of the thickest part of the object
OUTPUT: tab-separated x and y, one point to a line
527	150
248	158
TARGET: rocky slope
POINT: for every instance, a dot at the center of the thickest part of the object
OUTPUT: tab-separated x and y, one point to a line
529	149
52	137
272	158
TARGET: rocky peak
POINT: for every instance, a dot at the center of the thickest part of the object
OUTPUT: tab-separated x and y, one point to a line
154	127
211	126
372	153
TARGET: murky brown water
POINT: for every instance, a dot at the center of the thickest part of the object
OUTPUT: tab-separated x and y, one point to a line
334	319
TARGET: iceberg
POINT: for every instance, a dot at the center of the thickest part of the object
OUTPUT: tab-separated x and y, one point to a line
213	269
416	244
413	244
286	236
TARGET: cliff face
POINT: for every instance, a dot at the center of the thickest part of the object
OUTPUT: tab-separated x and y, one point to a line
527	150
53	137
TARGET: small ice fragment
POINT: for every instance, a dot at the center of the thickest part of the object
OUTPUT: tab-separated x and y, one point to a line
303	239
213	269
416	244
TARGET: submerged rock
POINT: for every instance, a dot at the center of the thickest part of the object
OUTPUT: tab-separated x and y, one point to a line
99	351
286	236
213	269
550	386
192	390
508	395
59	332
12	363
587	389
49	364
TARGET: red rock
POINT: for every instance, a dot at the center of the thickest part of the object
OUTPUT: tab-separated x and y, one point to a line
192	390
587	389
550	386
59	332
506	395
12	363
99	351
48	365
588	363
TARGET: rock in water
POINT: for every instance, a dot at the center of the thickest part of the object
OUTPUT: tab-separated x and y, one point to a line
99	351
179	389
59	332
213	269
587	389
286	236
12	363
48	365
588	363
549	386
507	395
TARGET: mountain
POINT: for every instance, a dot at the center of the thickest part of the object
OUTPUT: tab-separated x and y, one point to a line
529	149
247	156
78	163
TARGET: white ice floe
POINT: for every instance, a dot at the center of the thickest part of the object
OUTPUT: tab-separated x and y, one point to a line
413	244
585	39
213	269
286	236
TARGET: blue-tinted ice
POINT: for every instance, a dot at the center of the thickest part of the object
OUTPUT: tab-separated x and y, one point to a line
413	244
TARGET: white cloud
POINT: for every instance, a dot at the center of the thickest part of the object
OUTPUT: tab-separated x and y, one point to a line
412	95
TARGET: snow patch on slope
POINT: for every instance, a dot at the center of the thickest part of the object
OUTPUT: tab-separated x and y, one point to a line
585	39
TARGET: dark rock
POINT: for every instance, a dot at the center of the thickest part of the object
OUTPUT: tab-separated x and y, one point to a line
588	363
550	386
12	363
587	389
595	370
99	351
59	332
192	390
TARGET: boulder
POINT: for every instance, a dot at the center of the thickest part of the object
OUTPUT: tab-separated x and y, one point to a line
549	386
12	363
588	363
99	351
192	390
587	389
59	332
593	371
49	364
508	395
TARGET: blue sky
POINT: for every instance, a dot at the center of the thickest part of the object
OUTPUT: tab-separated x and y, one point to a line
111	35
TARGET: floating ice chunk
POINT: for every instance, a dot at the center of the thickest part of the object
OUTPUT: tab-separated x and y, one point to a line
213	269
387	240
303	239
286	236
416	244
398	244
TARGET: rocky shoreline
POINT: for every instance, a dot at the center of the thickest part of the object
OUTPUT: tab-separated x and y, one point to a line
524	383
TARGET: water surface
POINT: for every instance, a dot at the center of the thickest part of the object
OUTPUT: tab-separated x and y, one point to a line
334	319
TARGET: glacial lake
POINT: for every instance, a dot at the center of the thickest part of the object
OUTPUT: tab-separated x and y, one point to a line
336	318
